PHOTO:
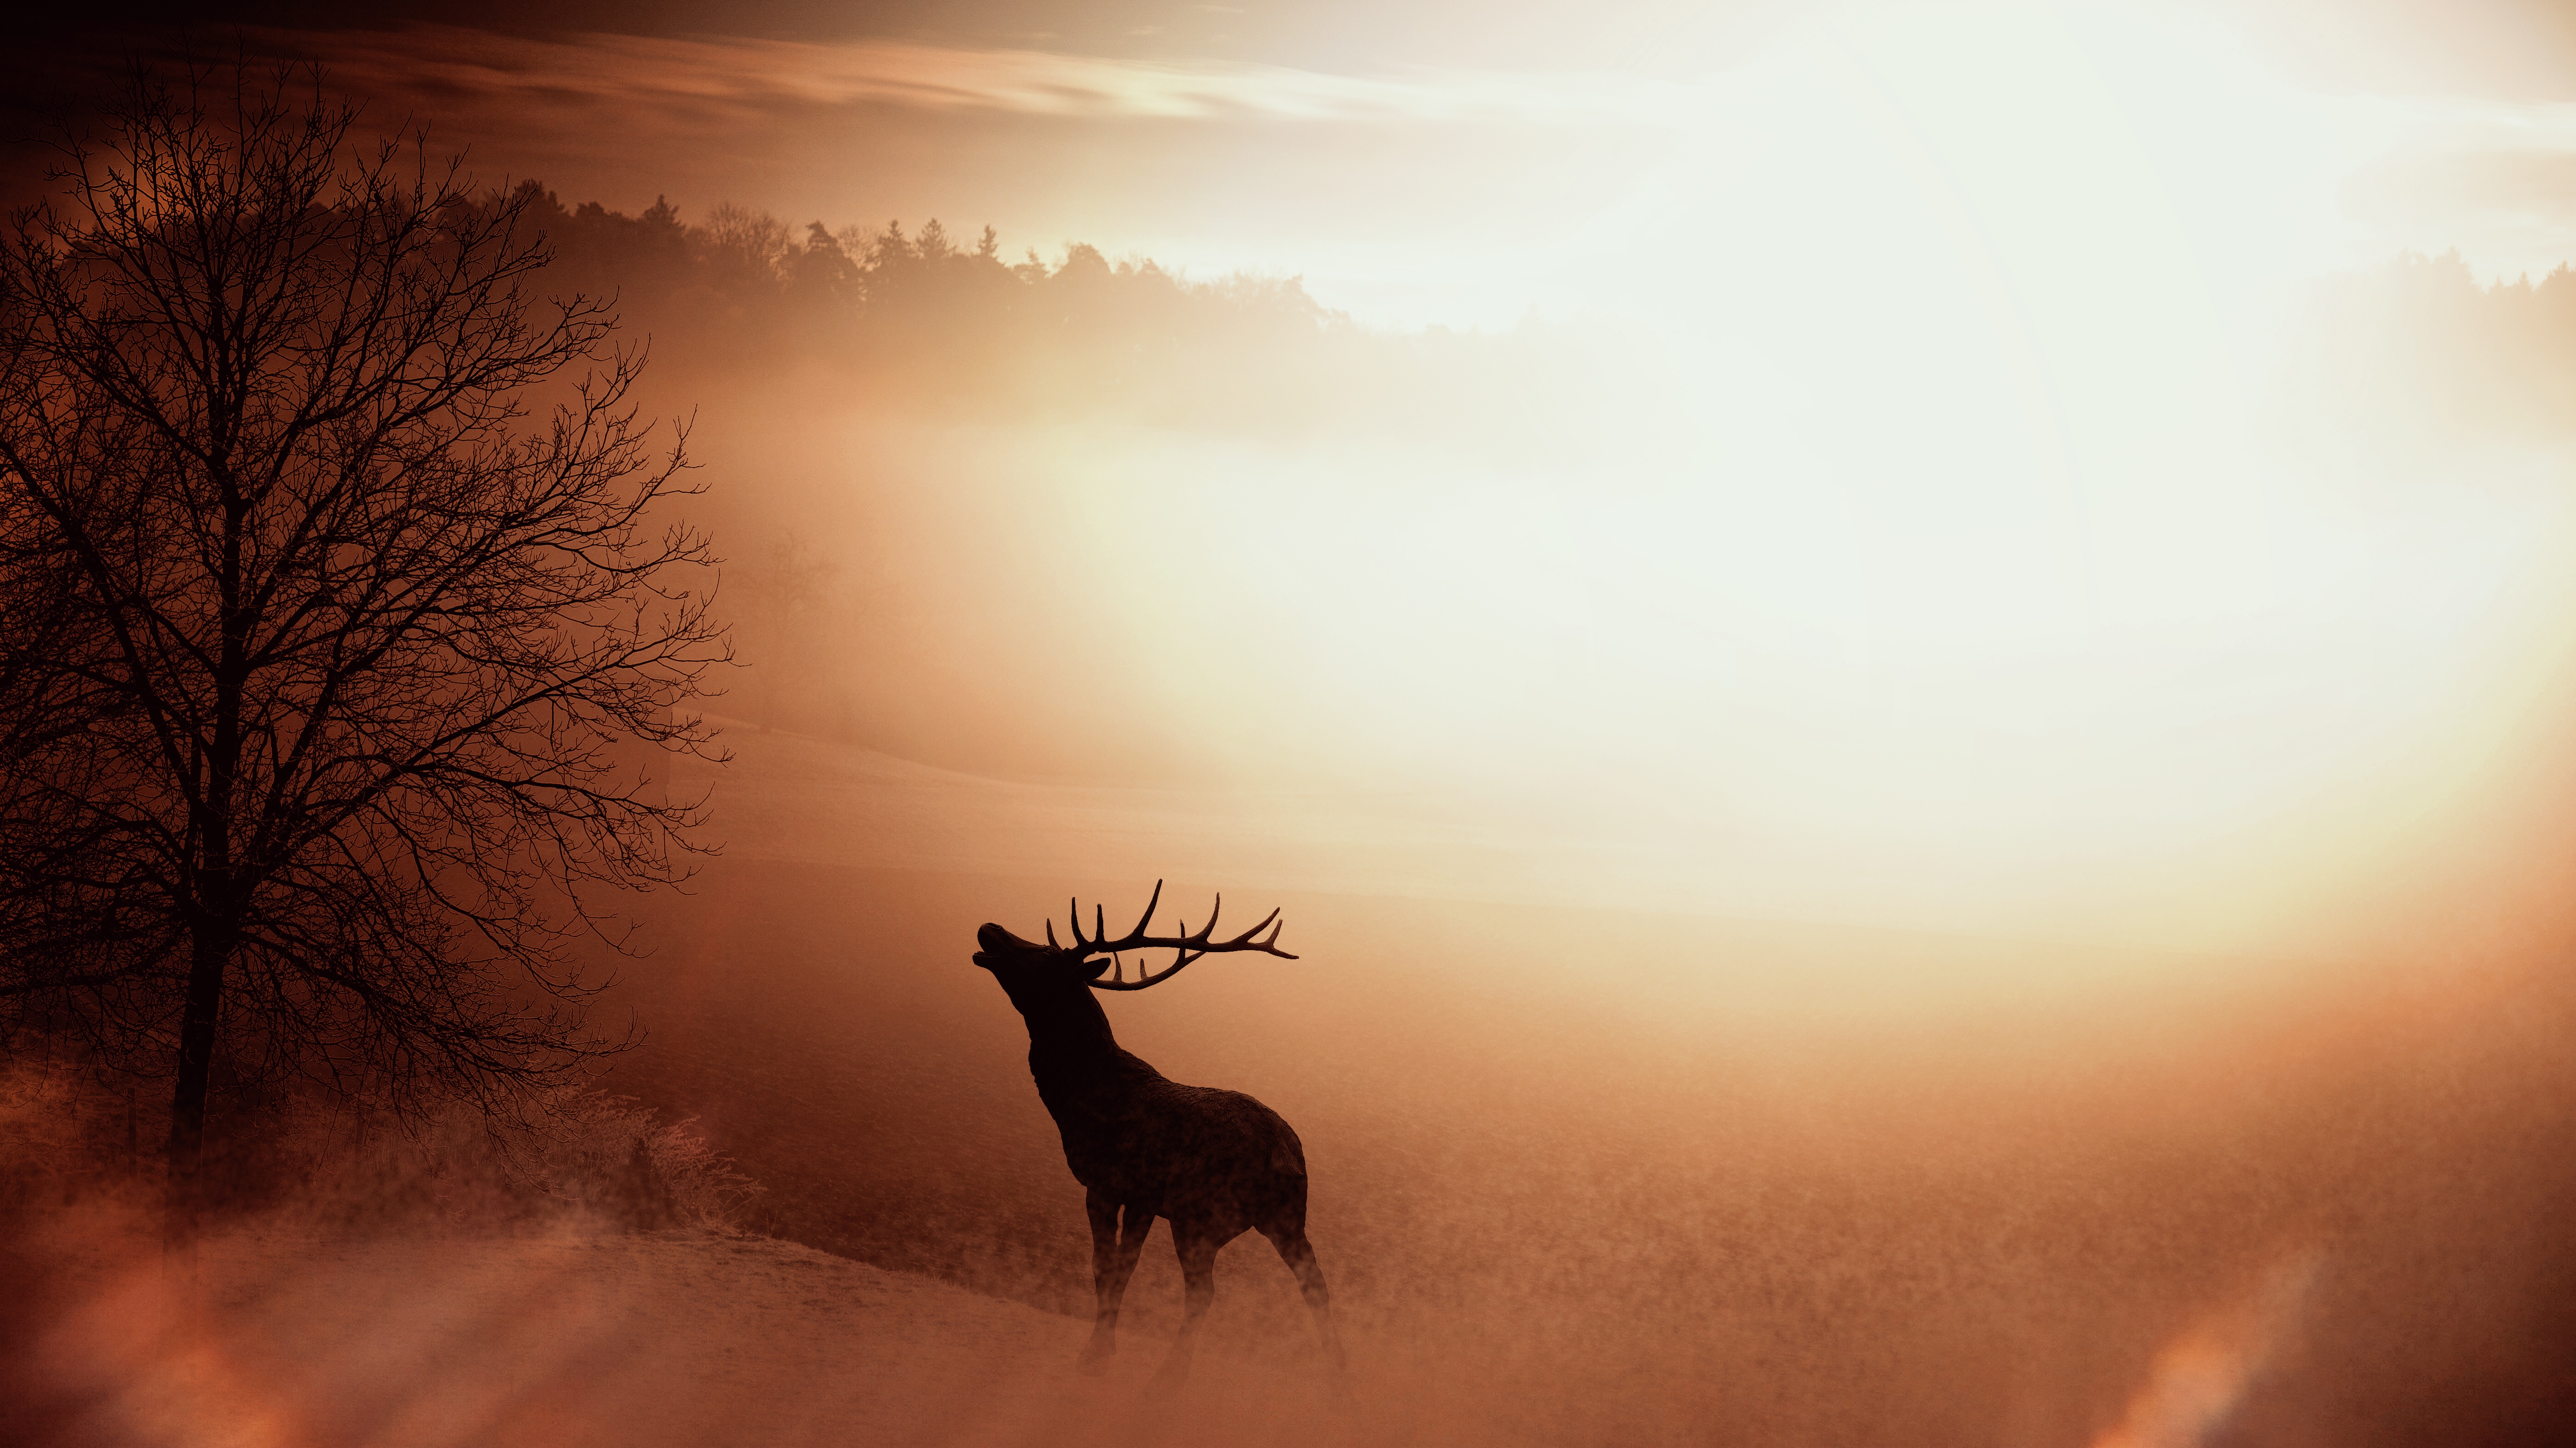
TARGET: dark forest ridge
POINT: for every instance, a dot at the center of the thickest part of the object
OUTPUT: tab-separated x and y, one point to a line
927	320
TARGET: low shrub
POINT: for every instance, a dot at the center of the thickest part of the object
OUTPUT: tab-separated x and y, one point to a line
575	1158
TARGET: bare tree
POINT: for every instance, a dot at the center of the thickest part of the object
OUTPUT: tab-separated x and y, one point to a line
360	581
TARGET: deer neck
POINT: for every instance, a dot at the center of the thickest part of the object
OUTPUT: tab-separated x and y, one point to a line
1068	1033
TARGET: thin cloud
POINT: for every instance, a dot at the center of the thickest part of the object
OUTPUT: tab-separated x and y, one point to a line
441	61
2488	178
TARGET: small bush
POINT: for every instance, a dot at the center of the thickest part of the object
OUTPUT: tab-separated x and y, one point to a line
65	1134
607	1157
571	1158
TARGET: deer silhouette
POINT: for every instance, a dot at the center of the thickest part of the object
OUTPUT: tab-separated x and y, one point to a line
1214	1163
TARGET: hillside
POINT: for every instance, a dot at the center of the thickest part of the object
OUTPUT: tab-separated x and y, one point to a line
1581	1174
1595	1173
679	1338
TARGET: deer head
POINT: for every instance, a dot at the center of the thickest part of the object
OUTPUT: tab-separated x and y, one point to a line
1021	963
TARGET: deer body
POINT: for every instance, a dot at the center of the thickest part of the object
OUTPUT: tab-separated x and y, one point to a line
1137	1136
1213	1163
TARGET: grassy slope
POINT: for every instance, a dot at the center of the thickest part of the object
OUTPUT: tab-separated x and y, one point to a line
1611	1176
676	1338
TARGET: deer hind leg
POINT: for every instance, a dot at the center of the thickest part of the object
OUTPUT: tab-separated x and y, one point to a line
1113	1261
1197	1247
1289	1236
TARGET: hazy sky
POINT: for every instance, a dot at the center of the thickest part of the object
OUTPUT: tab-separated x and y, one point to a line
1435	162
2518	47
1939	531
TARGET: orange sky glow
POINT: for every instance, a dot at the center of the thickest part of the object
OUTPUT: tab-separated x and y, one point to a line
1940	545
1915	683
1936	553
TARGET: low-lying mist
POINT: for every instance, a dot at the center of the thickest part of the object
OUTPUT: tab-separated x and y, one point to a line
1814	928
2205	676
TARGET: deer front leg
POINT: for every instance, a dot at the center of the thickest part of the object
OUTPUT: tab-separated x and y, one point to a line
1113	1261
1197	1250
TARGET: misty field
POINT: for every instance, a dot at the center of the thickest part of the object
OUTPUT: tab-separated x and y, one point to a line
1580	1176
1594	1176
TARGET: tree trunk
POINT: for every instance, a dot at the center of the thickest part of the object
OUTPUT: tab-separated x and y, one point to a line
211	952
217	926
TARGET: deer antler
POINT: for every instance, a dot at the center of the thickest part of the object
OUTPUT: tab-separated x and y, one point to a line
1185	947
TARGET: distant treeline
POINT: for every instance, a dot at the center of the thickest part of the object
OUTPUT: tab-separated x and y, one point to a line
2420	346
931	321
927	321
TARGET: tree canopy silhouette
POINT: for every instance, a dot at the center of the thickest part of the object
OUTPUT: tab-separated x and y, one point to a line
329	627
921	320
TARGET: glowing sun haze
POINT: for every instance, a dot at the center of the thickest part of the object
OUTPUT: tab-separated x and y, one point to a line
1934	551
1936	561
